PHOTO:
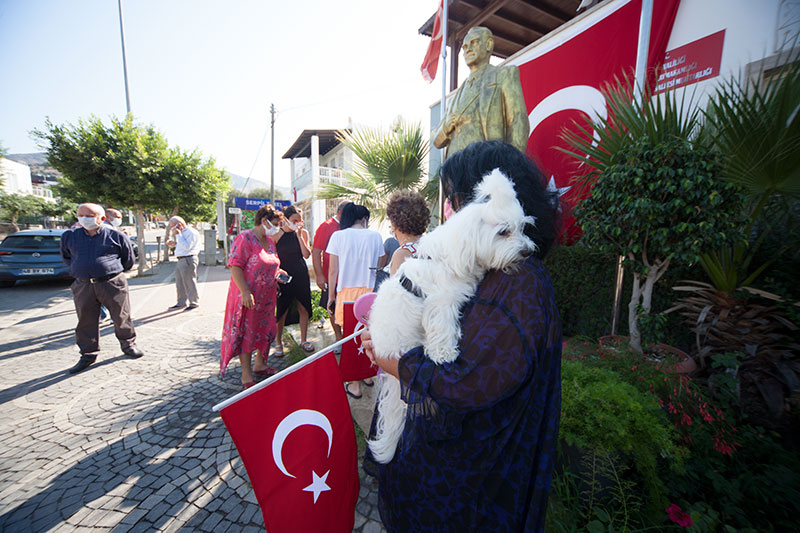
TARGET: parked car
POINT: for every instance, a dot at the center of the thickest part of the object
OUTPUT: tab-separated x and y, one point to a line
31	254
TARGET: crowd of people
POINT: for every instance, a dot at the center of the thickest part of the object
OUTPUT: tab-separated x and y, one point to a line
479	441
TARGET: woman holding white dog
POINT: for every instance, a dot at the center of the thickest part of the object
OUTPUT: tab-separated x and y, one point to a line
479	441
355	255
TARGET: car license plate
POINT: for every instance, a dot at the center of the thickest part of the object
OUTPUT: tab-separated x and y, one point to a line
35	271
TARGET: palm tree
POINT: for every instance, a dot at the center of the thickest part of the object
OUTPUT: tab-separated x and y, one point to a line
755	126
386	162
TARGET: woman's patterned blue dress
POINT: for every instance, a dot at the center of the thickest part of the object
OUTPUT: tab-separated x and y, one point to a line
480	438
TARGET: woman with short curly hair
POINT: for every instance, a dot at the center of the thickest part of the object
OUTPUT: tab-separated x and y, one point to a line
409	215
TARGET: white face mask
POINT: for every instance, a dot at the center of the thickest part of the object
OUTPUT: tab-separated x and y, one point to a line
291	225
88	222
269	229
114	221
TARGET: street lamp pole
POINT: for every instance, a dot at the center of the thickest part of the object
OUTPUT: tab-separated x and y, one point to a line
124	62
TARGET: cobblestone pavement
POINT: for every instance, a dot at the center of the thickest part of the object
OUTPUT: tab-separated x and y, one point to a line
129	444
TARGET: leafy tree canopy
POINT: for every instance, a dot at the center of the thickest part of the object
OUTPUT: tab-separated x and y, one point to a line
130	165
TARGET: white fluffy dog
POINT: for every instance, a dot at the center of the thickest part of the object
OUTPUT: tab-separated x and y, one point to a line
420	304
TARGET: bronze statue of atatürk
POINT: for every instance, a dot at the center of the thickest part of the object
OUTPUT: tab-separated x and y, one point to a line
488	106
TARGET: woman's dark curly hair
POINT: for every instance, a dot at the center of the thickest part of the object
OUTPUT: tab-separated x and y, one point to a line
268	212
352	213
408	212
462	171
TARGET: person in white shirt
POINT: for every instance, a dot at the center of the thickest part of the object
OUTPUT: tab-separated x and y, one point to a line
187	244
356	253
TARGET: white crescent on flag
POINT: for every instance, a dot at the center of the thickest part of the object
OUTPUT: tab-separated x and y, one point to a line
301	417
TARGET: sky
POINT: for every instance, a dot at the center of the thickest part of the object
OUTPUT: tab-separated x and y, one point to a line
204	72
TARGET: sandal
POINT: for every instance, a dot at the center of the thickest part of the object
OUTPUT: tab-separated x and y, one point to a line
269	371
248	384
307	346
277	351
369	383
351	394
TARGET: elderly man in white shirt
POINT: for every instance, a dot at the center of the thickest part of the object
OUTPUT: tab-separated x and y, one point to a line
187	246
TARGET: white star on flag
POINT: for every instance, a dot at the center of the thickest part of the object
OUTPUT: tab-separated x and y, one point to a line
551	186
318	484
360	349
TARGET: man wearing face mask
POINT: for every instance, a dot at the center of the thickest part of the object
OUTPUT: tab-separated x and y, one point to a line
113	218
187	247
97	255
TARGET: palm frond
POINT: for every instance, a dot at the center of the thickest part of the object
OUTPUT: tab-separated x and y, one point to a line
595	143
756	125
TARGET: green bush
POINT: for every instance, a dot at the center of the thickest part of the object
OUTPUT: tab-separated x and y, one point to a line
603	415
317	312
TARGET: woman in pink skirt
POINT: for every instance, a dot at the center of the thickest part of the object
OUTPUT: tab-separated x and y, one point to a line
250	310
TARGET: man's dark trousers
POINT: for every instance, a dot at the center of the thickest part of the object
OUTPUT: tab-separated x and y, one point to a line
113	294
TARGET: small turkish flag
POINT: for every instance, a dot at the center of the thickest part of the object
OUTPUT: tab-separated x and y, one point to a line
431	62
296	439
354	363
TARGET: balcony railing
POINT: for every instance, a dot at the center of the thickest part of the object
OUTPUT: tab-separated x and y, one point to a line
326	175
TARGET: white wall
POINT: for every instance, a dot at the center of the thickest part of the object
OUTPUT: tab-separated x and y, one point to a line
16	177
754	30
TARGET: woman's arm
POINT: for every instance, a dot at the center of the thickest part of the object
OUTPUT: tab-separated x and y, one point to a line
305	248
398	257
237	275
333	276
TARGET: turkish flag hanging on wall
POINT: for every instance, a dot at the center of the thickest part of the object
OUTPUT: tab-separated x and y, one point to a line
562	78
353	363
296	439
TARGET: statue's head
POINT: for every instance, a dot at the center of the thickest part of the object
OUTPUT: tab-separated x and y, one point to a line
478	46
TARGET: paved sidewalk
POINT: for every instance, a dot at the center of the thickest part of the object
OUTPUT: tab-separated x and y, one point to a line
129	444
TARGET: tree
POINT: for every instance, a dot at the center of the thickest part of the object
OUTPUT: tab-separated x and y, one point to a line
386	162
132	166
15	205
655	195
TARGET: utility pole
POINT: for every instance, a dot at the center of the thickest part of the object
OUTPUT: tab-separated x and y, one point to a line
272	153
124	62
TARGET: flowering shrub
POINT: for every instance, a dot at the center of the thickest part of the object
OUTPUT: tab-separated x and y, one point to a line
679	517
735	476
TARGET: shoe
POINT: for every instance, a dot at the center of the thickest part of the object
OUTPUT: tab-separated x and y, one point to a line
83	363
176	306
269	371
369	383
308	347
351	394
134	352
192	306
248	384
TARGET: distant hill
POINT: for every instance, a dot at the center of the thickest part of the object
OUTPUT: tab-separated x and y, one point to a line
238	182
39	165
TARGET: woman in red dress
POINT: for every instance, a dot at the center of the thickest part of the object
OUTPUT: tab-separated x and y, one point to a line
250	310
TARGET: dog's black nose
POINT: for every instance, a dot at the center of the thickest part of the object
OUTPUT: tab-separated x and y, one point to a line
527	252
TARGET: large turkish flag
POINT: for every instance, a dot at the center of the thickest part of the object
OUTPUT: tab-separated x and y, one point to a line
296	439
354	363
562	77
